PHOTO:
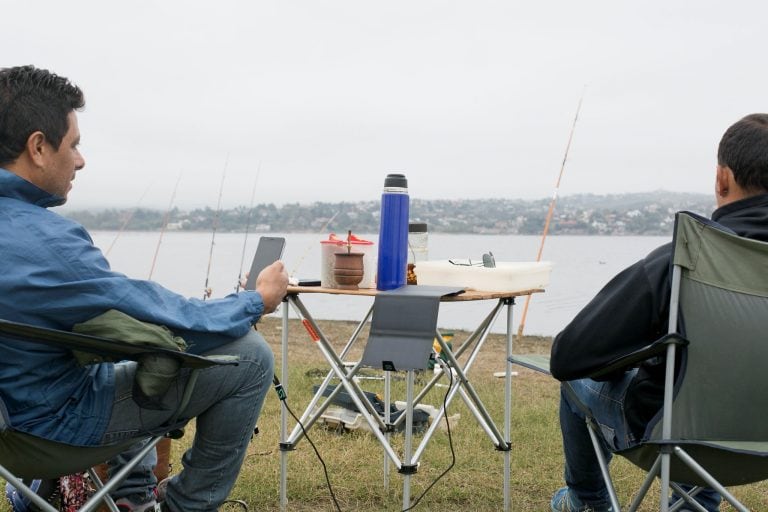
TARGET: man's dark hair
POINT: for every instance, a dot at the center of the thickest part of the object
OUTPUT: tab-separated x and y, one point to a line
744	149
33	100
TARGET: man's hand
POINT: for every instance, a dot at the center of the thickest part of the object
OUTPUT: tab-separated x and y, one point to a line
272	284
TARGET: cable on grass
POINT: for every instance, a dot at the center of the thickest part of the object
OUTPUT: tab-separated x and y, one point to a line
283	396
450	444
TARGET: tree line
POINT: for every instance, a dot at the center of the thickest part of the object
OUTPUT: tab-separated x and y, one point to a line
649	213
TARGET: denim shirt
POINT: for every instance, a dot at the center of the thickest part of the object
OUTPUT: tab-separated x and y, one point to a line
51	275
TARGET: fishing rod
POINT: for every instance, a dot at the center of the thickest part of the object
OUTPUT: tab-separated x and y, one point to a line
549	213
126	221
247	227
311	243
165	225
206	290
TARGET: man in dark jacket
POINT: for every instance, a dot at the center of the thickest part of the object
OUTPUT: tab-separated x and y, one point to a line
630	312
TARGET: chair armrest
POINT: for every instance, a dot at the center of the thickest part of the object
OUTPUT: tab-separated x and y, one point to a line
540	362
109	349
536	362
656	348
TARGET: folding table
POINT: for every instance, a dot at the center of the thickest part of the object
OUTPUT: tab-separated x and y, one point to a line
382	427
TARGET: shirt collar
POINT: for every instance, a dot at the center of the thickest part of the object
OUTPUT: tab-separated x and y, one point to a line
758	200
16	187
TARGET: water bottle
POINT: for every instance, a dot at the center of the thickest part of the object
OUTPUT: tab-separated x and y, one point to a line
393	233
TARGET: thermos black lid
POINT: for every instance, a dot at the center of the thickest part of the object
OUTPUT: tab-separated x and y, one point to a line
417	227
396	180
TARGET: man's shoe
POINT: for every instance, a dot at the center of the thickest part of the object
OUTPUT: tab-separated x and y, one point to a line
126	505
162	488
566	501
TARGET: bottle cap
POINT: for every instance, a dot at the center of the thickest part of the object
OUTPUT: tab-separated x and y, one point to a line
417	227
396	180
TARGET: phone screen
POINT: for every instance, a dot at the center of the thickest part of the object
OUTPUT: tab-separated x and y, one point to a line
269	250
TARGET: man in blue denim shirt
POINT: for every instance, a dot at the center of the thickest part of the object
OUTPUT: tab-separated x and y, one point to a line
51	275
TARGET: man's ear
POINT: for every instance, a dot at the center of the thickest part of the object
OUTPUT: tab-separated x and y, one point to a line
723	181
36	148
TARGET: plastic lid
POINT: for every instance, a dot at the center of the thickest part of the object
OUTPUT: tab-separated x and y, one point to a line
417	227
396	180
335	240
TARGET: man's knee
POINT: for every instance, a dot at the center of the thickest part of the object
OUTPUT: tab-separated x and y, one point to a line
570	393
258	350
257	363
251	347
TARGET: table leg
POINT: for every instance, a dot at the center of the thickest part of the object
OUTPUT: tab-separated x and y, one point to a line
461	385
477	338
409	464
387	420
284	414
508	407
313	411
355	392
409	467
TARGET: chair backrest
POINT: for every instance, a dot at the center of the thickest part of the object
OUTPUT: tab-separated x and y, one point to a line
722	391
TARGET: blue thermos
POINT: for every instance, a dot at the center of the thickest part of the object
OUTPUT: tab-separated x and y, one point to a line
393	233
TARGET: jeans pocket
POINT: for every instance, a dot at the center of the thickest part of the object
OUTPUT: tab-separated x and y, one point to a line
609	435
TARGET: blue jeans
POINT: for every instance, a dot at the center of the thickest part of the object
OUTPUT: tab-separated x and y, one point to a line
226	403
606	401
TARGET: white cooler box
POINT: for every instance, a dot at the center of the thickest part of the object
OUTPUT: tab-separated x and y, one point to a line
504	277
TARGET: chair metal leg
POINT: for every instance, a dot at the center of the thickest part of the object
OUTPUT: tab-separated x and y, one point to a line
643	491
108	501
29	493
664	497
95	501
711	482
685	498
597	445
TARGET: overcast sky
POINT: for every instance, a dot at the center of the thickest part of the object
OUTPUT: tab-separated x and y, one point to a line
470	99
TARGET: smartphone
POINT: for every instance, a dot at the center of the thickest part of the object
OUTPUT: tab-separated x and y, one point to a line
269	250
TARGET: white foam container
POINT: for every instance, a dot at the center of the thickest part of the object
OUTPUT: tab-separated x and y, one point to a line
505	277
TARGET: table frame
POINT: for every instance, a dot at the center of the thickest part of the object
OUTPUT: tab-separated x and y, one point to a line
382	428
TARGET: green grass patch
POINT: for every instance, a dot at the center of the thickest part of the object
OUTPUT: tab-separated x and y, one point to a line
354	460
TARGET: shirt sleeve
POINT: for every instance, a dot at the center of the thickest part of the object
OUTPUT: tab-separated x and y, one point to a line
75	283
626	315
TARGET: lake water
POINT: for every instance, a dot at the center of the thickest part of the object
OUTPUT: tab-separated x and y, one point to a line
581	266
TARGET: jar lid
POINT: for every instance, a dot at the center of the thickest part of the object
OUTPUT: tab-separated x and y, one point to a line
335	240
417	227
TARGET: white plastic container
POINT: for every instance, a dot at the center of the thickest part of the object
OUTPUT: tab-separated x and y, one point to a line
505	277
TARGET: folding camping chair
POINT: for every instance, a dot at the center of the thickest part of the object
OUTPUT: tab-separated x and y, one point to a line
24	457
713	427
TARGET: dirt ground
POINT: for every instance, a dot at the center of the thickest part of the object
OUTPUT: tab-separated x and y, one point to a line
301	348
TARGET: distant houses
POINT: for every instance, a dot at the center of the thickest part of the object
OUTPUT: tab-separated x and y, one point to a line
620	214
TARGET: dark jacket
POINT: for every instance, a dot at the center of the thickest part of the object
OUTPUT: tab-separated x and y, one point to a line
632	311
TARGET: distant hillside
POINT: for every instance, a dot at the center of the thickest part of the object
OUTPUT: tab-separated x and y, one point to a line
647	213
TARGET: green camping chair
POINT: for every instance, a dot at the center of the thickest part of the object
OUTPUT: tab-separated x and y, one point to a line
713	428
24	457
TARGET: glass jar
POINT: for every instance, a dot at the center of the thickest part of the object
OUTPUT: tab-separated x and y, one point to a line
417	248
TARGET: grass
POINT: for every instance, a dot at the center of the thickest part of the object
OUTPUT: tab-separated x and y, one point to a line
354	459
